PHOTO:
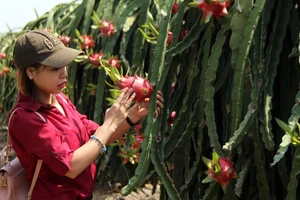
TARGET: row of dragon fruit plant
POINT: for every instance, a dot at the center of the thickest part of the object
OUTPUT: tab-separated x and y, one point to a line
229	70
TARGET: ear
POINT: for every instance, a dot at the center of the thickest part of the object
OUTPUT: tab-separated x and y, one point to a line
30	71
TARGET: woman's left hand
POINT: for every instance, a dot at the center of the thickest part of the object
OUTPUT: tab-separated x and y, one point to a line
141	109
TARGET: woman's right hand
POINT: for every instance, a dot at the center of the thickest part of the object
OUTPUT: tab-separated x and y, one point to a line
116	114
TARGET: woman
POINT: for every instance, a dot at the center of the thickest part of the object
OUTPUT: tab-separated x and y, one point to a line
68	143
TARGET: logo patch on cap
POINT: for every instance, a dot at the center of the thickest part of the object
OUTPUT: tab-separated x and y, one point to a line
51	43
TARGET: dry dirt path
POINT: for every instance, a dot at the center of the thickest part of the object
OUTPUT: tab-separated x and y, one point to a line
144	193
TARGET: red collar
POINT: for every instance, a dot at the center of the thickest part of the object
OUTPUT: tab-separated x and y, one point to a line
28	102
32	104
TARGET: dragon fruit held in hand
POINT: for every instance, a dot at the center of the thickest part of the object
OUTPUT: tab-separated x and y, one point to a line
125	82
141	86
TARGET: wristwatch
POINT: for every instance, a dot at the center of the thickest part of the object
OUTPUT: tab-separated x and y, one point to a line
128	120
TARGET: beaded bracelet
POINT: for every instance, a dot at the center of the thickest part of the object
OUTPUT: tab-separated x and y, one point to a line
128	120
103	149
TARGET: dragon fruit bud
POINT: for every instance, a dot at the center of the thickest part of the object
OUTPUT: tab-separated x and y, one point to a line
226	173
211	8
183	34
137	128
125	82
142	88
107	28
217	9
137	141
65	40
87	42
114	62
171	118
175	8
95	58
220	170
2	55
4	71
170	37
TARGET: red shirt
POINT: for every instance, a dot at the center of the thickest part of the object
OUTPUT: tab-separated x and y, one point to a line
53	141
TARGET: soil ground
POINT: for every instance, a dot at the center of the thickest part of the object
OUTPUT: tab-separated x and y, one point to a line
141	194
107	193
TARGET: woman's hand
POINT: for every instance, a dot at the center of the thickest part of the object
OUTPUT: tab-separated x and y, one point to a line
136	113
116	114
141	109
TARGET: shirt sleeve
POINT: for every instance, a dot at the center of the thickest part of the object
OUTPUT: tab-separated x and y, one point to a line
41	140
90	125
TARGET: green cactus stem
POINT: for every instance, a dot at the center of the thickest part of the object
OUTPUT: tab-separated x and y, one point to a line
272	59
237	91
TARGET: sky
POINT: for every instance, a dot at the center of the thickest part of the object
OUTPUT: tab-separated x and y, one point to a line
17	13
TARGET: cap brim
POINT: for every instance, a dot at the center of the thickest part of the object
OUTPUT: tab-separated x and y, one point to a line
61	58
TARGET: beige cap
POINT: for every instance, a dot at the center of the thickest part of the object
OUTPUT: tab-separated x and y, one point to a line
44	48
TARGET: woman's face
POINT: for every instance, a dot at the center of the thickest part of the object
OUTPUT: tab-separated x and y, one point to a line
48	80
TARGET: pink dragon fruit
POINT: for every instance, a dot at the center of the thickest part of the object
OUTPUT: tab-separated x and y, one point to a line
220	170
142	88
107	28
175	8
2	55
65	40
87	42
216	8
171	118
95	58
113	61
125	82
